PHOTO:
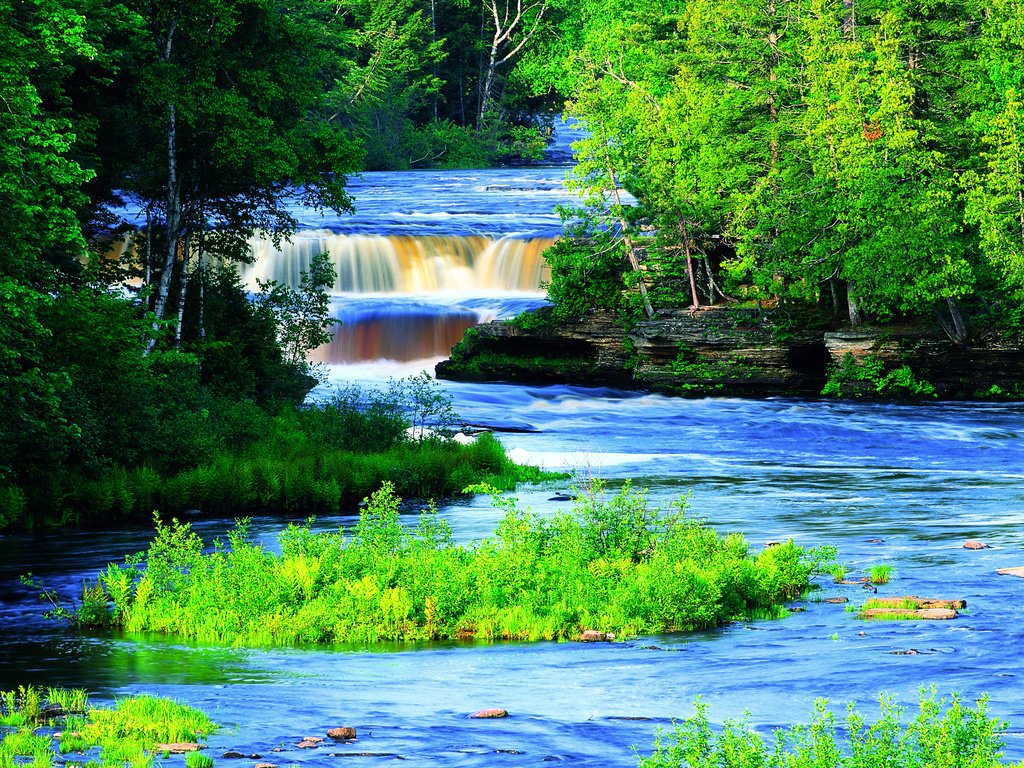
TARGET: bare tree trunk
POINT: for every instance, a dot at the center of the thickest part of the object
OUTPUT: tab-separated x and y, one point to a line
849	20
955	328
856	317
689	267
172	223
183	289
629	241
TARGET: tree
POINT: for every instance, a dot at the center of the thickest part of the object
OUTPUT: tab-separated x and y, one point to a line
301	315
216	106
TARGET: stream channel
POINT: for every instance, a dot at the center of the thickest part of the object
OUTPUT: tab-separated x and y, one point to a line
430	253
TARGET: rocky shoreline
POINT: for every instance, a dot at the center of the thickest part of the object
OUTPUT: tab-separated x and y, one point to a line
735	352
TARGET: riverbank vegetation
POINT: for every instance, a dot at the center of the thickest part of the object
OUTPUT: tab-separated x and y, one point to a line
614	564
822	162
942	734
143	144
43	727
236	457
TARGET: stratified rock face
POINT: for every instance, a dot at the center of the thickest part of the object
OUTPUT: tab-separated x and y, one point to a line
724	351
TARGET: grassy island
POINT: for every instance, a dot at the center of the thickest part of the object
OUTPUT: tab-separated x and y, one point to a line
612	564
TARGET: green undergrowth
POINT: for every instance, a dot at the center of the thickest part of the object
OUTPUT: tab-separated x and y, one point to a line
45	727
316	459
941	735
613	563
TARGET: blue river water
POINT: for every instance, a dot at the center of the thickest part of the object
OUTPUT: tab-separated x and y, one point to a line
903	486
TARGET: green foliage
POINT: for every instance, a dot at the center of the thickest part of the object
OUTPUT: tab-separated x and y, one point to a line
301	315
613	563
198	760
943	735
880	574
125	734
868	377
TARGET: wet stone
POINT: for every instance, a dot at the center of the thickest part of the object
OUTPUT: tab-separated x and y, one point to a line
837	600
344	733
179	747
232	755
1015	571
975	544
875	541
593	636
264	765
489	714
309	744
905	652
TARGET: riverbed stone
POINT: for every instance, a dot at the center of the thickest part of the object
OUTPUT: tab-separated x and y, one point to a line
489	714
232	754
918	602
343	733
309	743
593	636
265	765
837	600
1017	570
179	747
975	544
909	614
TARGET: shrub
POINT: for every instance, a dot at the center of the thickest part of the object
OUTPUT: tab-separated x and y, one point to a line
941	735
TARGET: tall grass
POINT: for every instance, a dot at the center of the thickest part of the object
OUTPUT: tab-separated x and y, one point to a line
942	735
613	564
315	460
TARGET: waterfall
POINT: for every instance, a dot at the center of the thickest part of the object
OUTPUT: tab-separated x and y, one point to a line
374	264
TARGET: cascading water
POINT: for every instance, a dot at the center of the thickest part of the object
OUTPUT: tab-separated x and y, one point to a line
427	255
389	288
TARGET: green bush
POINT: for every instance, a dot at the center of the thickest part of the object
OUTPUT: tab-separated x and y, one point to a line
940	736
869	377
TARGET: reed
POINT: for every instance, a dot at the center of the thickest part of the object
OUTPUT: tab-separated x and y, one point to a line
881	574
613	564
950	735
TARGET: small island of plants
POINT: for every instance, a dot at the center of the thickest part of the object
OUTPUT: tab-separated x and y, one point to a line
613	563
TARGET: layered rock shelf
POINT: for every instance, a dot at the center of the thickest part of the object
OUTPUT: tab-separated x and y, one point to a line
728	351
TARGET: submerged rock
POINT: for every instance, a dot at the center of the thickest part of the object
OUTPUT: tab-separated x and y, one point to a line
232	755
489	714
1015	571
975	544
837	600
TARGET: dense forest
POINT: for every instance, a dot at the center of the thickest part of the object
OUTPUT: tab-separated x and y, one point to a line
207	117
860	160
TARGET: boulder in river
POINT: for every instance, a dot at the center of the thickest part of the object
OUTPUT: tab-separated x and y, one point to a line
489	714
344	733
594	636
975	544
179	747
1015	571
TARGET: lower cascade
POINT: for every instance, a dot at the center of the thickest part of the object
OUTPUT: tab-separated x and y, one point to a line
405	264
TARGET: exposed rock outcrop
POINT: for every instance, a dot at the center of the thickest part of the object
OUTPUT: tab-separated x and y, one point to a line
727	351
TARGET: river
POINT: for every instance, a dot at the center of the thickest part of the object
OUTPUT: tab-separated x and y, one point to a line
898	485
